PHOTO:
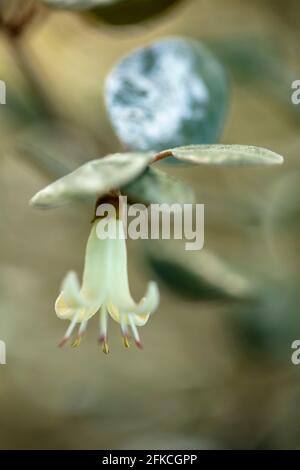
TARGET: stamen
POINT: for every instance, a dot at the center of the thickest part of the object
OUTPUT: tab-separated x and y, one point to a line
105	347
124	330
82	328
103	330
63	342
81	332
76	342
70	329
135	332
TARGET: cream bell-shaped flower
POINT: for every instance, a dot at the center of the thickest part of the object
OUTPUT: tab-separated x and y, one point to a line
105	289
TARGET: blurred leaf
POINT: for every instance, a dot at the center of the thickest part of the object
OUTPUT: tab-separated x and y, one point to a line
198	275
260	60
171	93
79	4
226	155
284	210
24	108
248	57
156	187
116	12
282	224
15	14
55	149
266	327
131	11
93	179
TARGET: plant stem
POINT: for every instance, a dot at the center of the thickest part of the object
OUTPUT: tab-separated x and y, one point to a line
161	155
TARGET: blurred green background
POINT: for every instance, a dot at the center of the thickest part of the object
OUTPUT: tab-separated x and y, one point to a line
216	370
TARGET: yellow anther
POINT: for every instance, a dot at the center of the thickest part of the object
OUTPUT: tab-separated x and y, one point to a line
76	342
126	342
105	347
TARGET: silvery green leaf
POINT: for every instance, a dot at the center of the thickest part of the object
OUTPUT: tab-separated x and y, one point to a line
80	4
226	155
199	275
171	93
157	187
93	179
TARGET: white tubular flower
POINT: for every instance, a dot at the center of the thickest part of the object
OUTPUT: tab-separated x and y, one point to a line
105	289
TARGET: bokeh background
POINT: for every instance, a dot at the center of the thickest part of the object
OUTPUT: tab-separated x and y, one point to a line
216	370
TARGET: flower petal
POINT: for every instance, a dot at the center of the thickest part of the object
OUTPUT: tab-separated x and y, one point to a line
150	302
119	292
120	300
94	285
71	290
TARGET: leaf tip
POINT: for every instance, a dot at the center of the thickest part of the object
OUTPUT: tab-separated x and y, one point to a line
40	201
